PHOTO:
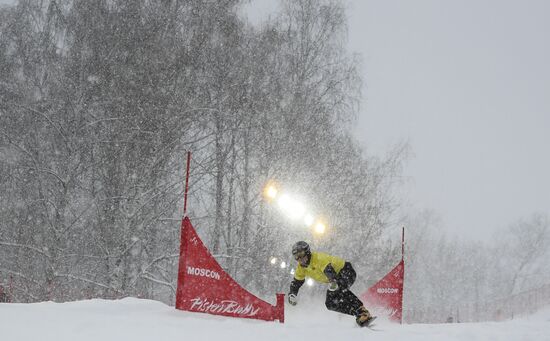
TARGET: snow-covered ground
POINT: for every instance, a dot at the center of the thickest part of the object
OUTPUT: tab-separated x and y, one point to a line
135	319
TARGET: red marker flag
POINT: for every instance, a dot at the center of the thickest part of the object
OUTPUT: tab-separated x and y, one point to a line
387	295
203	286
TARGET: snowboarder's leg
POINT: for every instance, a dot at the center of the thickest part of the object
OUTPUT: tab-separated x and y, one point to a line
346	276
343	301
363	317
333	300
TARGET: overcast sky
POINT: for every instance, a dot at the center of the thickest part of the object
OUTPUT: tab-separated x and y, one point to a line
468	84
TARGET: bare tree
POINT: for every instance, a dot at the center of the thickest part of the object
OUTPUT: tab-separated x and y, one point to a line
99	102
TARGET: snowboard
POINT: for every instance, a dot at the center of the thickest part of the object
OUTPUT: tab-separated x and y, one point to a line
369	323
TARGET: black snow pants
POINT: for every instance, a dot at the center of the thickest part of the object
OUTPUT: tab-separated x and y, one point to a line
343	300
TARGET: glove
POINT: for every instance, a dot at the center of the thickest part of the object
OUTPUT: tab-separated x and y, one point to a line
292	299
333	286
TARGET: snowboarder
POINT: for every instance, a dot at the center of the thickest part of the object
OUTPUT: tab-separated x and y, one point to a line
335	271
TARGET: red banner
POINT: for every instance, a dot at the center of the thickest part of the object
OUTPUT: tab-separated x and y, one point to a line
387	294
203	286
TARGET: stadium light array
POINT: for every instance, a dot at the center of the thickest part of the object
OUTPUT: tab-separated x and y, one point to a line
292	208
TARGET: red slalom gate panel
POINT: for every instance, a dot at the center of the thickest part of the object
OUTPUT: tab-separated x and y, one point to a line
203	286
387	294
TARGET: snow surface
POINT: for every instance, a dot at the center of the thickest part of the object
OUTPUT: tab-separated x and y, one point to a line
137	319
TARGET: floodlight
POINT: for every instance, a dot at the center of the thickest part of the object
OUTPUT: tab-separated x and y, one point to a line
283	265
285	202
273	260
310	282
320	227
292	208
309	220
270	191
297	211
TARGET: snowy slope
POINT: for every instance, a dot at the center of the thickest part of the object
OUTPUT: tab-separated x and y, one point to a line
135	319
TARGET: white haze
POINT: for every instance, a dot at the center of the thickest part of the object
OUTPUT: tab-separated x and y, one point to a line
466	83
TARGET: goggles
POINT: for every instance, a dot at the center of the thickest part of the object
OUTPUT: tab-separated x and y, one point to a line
299	255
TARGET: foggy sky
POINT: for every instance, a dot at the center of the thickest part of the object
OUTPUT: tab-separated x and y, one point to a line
467	83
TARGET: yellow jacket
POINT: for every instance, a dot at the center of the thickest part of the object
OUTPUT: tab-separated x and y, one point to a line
317	265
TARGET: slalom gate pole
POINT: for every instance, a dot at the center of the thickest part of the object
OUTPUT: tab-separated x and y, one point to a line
186	184
403	262
403	244
11	289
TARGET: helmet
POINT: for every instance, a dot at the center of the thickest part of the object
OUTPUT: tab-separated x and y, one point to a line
300	246
299	250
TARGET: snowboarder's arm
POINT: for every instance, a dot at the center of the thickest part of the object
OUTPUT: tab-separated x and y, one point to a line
332	276
295	286
298	281
330	272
